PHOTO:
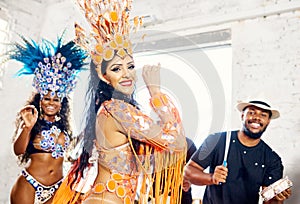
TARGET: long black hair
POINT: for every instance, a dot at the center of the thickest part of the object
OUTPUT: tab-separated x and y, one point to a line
64	122
97	93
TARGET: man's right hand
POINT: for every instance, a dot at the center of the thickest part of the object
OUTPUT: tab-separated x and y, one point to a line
220	174
194	174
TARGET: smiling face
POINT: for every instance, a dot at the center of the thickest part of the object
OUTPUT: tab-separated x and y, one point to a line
121	74
255	120
50	106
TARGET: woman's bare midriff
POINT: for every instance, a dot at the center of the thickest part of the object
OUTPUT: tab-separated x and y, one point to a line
45	169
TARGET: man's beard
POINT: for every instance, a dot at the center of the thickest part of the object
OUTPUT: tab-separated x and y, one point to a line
251	134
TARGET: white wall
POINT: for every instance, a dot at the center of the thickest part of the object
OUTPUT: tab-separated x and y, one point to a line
266	58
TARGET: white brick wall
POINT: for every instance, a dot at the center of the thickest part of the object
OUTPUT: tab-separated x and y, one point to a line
266	58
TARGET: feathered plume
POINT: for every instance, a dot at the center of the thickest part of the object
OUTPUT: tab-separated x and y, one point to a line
55	66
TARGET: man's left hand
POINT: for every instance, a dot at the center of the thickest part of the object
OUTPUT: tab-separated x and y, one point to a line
279	198
284	195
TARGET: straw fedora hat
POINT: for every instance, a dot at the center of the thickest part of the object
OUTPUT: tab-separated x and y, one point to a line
260	104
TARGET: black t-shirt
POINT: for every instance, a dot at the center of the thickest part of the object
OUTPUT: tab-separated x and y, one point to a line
191	148
249	168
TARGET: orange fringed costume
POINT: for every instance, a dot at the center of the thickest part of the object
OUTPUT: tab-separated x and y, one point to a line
161	160
155	170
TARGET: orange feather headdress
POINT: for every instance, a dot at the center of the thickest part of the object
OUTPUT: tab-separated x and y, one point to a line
110	30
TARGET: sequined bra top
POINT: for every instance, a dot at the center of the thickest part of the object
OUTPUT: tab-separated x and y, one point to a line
49	140
119	159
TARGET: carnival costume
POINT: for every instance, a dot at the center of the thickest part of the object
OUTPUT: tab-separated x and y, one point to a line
131	170
55	68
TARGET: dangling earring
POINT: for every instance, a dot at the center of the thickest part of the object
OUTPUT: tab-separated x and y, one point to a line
57	116
41	112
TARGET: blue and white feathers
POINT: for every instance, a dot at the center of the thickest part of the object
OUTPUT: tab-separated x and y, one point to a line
55	66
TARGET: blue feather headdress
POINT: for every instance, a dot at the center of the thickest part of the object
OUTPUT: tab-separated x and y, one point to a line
55	67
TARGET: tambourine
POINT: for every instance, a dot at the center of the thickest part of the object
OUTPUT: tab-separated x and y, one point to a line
275	188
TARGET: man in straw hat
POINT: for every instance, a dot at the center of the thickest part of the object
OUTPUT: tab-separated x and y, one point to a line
240	161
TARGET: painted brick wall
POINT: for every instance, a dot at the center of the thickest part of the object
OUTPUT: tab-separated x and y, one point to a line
266	59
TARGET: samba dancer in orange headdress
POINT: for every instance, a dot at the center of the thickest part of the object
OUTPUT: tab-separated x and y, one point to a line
132	149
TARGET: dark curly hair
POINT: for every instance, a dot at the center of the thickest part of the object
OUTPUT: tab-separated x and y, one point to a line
63	122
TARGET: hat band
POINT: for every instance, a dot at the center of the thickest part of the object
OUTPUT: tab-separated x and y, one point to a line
261	103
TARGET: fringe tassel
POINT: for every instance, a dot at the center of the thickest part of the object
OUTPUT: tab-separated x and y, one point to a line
164	185
162	176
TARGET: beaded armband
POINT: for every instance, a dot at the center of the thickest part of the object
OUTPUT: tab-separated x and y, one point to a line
159	101
162	104
165	108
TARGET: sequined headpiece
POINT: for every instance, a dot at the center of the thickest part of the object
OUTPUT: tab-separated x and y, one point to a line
109	20
55	67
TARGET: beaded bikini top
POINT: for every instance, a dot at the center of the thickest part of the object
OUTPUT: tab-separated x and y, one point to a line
49	139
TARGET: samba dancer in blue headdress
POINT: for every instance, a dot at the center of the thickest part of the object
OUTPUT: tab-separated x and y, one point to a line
43	131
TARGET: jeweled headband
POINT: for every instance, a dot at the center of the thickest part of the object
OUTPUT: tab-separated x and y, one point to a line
55	67
109	35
